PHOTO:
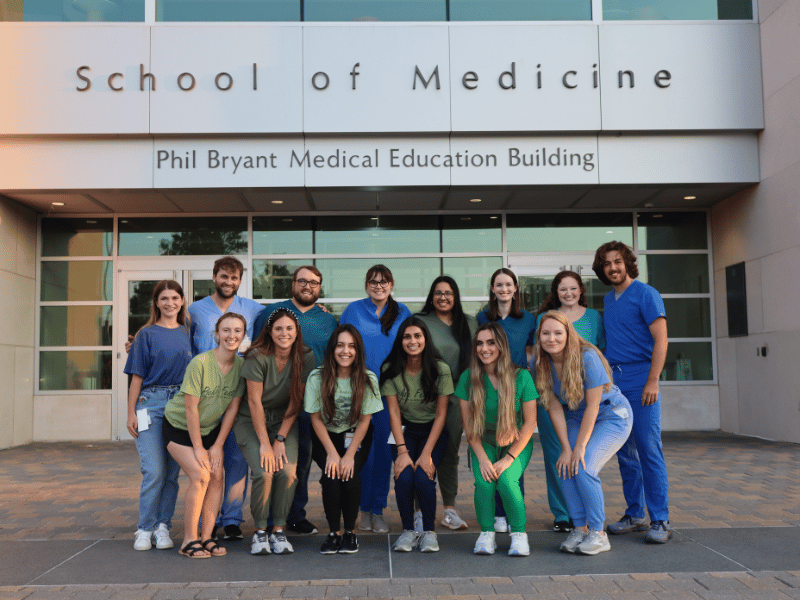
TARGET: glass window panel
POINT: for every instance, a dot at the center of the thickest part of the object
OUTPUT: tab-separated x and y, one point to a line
688	361
283	235
77	237
377	235
75	370
272	279
77	281
214	236
202	288
228	10
664	10
688	317
672	231
675	273
521	10
472	233
76	10
75	326
471	274
344	278
566	232
374	10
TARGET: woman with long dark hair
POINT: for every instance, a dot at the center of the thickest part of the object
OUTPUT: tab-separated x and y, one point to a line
341	397
377	318
451	332
574	376
417	385
497	403
276	368
157	362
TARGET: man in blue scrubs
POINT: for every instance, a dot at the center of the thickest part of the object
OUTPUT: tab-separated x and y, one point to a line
317	327
636	347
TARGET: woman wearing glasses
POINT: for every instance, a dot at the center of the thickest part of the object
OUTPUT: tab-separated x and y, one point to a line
451	333
377	318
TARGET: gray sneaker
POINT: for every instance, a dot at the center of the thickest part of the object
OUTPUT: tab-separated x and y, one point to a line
627	524
279	543
659	533
428	542
570	544
365	521
406	542
595	543
379	525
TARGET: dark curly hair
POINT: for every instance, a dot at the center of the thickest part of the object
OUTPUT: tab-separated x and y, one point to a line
627	255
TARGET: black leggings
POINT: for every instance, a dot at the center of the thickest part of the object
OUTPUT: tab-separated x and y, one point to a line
340	499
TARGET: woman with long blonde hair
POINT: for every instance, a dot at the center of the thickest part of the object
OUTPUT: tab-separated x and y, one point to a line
499	420
572	376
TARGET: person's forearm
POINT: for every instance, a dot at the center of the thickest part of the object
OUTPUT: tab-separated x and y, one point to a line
254	391
322	433
133	393
359	434
556	411
227	421
438	424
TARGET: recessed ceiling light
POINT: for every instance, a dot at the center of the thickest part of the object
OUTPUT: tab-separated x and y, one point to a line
657	216
277	201
90	221
58	204
475	200
466	218
609	231
123	221
287	220
494	217
374	218
690	197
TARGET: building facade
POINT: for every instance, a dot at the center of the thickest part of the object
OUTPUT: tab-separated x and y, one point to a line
140	140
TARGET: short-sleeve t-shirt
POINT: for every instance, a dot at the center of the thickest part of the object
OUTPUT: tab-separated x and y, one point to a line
520	333
160	355
589	327
627	323
216	391
594	376
445	340
411	398
524	391
205	315
263	369
342	400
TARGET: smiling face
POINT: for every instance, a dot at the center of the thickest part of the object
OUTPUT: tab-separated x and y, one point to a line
614	268
307	294
504	288
379	288
553	337
345	351
230	333
413	341
486	348
169	304
284	333
569	292
443	298
227	283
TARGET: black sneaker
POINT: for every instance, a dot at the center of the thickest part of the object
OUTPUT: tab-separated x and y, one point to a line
232	533
304	527
349	543
563	526
331	544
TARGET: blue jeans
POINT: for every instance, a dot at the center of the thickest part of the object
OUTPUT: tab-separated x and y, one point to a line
641	458
584	491
159	490
297	512
230	513
376	474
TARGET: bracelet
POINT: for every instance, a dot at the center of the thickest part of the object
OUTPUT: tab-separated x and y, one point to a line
398	445
511	455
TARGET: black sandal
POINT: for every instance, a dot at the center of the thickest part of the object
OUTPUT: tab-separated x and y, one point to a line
192	549
210	546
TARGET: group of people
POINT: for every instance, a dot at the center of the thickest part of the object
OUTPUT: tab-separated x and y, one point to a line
384	387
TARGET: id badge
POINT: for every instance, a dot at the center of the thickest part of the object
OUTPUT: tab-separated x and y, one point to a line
143	419
348	439
391	435
621	412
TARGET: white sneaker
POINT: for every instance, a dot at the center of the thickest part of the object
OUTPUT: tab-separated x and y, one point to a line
519	544
418	528
143	540
406	542
428	542
501	524
279	543
260	543
575	537
485	543
452	520
595	542
161	535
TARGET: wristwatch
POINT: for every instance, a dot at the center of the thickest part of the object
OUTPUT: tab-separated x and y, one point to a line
280	438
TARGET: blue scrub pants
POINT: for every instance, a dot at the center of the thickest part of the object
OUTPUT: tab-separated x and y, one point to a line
584	491
641	458
376	474
230	513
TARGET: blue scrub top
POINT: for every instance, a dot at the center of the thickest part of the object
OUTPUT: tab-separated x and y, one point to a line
205	315
594	376
315	324
589	327
361	315
159	355
627	323
520	333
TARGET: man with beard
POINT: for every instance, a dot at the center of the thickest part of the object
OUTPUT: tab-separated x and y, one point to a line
636	348
227	276
316	326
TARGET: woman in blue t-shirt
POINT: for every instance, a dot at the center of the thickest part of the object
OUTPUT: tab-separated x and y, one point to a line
570	372
156	363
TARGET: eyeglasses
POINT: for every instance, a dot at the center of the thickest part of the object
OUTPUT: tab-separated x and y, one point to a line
447	294
374	283
307	282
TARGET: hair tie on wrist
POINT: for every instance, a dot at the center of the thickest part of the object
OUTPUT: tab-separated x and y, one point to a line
398	445
511	455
